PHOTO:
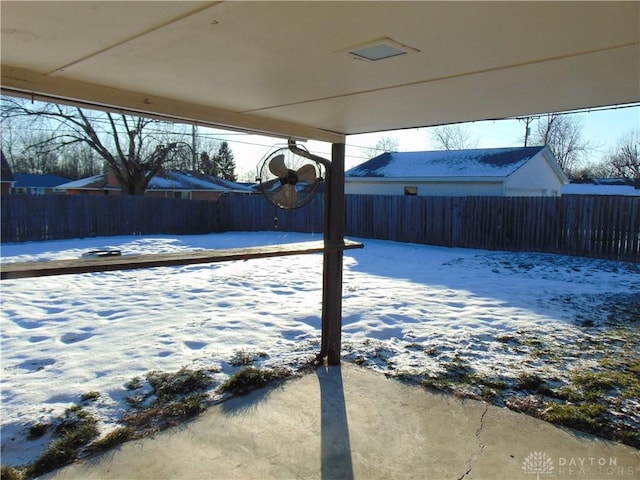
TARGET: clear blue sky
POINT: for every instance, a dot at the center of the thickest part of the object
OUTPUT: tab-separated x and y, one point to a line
602	128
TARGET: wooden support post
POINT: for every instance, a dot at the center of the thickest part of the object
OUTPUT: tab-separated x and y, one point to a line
334	226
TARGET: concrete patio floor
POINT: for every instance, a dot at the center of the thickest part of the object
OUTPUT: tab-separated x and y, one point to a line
350	423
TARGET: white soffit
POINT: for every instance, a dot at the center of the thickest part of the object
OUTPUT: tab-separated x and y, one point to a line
285	68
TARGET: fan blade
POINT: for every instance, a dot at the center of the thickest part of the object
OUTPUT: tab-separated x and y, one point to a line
277	167
291	195
306	173
286	197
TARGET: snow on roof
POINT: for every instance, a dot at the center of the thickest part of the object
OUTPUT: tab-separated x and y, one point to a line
179	180
26	180
595	189
175	180
165	180
492	162
94	182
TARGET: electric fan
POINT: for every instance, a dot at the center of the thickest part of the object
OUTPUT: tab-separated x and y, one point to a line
289	177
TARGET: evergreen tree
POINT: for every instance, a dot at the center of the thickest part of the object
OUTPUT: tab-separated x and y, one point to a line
208	166
225	162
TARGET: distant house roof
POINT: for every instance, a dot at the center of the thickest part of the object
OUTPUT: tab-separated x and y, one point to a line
602	186
491	162
96	182
6	175
179	180
164	180
27	180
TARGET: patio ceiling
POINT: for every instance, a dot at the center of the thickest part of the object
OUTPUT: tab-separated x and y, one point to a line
284	68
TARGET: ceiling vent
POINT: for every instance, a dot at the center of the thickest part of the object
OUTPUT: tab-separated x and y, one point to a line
379	49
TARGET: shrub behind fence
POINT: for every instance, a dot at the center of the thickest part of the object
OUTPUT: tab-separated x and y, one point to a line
595	226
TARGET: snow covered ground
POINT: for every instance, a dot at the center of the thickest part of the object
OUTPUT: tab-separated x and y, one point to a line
409	310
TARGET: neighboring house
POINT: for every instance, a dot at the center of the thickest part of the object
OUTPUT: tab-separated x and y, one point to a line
6	175
36	184
525	171
603	186
165	184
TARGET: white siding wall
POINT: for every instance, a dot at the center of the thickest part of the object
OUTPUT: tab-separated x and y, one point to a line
447	189
535	178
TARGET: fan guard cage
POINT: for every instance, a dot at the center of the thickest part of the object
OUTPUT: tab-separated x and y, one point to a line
289	180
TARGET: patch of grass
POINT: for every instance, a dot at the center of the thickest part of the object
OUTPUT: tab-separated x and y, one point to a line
252	378
168	386
457	375
628	382
630	437
495	383
112	439
431	351
242	358
585	416
11	473
569	394
543	352
38	430
488	394
164	414
90	396
75	418
359	360
75	430
530	381
532	342
459	370
134	384
136	401
178	396
438	383
507	338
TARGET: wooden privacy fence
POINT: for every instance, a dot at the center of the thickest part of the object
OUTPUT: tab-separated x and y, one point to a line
595	226
252	213
47	217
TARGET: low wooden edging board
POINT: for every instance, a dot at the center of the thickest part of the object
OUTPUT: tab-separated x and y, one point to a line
130	262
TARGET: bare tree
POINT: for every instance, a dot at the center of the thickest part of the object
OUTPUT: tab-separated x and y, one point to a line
128	144
625	160
563	135
27	153
383	145
453	137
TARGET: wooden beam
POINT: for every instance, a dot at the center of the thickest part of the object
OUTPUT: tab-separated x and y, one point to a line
130	262
29	84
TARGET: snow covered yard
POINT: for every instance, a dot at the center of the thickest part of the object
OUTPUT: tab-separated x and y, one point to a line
553	336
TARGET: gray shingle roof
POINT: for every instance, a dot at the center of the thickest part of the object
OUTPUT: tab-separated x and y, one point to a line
490	162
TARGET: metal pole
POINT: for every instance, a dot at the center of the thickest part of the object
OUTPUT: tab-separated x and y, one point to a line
334	227
194	160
